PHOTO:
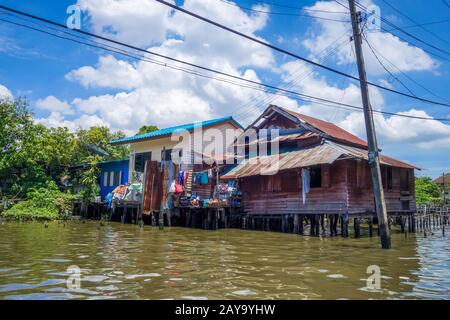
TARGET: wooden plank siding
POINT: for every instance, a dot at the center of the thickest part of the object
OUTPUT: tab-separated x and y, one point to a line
346	185
263	196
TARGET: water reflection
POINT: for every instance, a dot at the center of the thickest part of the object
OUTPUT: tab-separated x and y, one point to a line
126	262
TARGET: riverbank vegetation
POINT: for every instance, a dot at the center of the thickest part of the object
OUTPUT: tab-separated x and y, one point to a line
36	163
428	191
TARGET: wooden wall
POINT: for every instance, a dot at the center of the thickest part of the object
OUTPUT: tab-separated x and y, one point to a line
345	184
360	188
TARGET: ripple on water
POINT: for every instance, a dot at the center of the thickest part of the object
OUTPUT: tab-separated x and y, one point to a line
146	275
123	261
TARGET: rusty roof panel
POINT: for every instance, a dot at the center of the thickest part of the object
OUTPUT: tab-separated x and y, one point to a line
266	165
329	128
328	152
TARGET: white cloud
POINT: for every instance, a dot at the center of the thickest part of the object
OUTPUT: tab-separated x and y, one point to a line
53	104
399	54
145	93
154	94
5	93
56	119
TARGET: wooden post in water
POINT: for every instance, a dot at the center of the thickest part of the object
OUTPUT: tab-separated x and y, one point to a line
357	227
296	227
161	220
370	227
300	225
169	217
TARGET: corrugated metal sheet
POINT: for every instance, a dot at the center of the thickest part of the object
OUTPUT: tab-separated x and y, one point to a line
168	131
329	128
328	152
362	154
267	165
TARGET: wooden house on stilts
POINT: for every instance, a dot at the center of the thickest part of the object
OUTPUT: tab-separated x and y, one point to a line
322	174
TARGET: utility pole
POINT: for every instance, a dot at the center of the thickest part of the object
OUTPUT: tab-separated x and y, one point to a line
374	160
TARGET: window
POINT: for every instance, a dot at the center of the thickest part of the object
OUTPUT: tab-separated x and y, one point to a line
316	177
166	154
105	179
117	178
139	160
404	180
389	178
289	181
111	178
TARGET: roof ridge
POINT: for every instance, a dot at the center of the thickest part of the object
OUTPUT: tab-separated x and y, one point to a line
334	130
168	130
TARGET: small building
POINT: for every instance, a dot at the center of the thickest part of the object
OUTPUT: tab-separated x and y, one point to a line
444	182
338	172
159	145
112	174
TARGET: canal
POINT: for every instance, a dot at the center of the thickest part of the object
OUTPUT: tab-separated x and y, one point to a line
118	261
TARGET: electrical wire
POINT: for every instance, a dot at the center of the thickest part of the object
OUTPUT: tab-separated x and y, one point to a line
295	55
268	88
280	13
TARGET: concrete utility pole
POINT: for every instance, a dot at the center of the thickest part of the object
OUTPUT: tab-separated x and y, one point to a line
374	159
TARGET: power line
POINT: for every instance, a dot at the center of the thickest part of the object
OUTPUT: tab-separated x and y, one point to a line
383	66
446	3
413	21
294	81
279	13
297	8
277	90
295	55
423	24
405	74
405	32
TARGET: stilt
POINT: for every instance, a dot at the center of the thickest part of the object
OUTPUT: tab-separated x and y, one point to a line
322	223
317	225
216	219
161	220
283	223
344	227
296	227
300	225
370	227
356	227
312	225
169	217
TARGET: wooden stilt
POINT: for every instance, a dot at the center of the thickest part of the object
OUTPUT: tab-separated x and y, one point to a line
169	217
357	227
161	220
370	227
296	227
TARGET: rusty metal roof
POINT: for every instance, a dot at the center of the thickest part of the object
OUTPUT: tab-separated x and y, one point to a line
329	128
266	165
324	153
362	154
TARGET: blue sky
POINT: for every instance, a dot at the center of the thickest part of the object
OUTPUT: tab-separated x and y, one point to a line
70	84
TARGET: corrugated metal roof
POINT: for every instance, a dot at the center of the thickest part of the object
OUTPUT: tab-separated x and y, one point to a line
329	128
362	154
267	165
168	131
328	152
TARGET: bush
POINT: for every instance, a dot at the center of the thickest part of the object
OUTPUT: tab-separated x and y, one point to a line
42	204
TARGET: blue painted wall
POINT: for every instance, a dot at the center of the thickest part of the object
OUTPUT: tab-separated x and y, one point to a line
112	166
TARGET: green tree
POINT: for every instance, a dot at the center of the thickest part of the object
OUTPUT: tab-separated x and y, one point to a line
146	129
427	191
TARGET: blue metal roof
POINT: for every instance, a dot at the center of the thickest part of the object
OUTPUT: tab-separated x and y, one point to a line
168	131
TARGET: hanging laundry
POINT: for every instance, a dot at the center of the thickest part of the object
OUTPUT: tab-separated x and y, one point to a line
306	180
181	178
204	180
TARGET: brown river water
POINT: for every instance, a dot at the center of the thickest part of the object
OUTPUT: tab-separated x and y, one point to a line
120	261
